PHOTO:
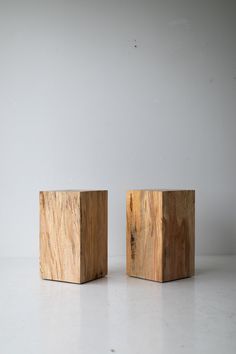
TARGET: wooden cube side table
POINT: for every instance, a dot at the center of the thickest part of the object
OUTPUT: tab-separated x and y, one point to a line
160	234
73	235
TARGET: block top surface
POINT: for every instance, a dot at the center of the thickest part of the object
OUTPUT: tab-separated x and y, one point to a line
161	190
74	191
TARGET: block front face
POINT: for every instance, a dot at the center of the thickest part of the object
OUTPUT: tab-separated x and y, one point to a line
178	234
144	234
93	235
60	236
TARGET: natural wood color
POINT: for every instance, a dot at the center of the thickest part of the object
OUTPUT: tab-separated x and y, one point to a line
160	234
94	239
73	235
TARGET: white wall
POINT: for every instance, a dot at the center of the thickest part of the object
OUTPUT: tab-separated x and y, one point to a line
117	95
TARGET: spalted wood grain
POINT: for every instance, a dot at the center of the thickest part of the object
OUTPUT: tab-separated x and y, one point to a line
94	235
73	235
144	243
160	234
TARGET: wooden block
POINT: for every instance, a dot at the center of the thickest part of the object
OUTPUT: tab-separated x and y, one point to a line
160	234
73	235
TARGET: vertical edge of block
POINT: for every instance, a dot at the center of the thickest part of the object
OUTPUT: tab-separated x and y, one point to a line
129	202
158	271
80	231
44	235
161	277
192	255
106	223
94	235
41	208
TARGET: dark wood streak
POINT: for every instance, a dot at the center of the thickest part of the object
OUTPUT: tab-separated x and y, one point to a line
133	236
131	203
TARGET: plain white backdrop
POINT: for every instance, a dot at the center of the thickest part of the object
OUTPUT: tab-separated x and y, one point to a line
117	95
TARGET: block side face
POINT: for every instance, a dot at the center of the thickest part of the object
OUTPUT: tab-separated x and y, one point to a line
60	236
178	234
94	229
144	234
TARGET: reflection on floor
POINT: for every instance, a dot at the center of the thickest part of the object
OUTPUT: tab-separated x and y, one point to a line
118	314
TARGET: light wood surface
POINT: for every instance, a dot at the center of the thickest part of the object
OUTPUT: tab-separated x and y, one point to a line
160	234
73	235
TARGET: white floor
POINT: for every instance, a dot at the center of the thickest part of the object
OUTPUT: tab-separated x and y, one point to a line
118	314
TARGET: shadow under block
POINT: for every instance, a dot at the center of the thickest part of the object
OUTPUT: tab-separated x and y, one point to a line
73	235
160	234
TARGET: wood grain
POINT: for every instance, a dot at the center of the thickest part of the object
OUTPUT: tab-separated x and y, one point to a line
73	235
94	239
160	234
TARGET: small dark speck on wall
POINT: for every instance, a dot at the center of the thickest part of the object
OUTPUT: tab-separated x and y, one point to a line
135	44
112	350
